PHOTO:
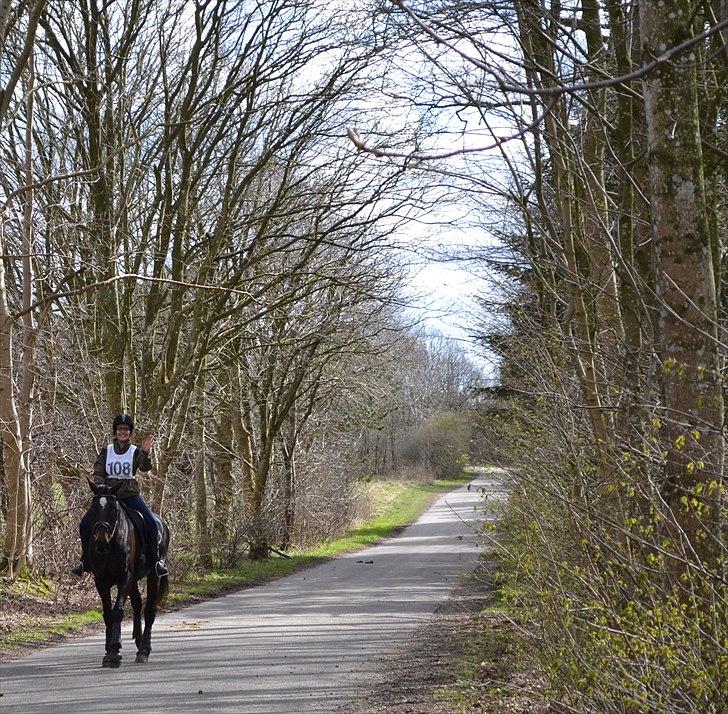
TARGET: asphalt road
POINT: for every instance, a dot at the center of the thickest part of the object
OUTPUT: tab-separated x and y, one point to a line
311	641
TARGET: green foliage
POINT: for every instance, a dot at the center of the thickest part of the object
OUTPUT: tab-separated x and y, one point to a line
443	443
623	625
597	566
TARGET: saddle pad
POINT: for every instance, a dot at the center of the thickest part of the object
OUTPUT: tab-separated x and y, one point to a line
138	520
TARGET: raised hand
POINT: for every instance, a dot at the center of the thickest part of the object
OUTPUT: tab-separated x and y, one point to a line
148	444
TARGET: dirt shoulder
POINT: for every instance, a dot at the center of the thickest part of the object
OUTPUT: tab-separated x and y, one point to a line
51	614
464	659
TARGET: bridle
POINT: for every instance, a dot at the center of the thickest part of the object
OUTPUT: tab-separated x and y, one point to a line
105	525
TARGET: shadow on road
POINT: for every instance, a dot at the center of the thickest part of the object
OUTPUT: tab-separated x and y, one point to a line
305	642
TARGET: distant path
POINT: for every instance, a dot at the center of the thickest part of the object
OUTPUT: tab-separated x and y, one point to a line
308	642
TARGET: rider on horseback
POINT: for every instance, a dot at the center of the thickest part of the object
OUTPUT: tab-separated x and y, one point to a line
121	460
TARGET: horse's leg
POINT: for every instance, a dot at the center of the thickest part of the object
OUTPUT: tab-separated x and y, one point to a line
150	614
105	595
136	604
117	615
156	589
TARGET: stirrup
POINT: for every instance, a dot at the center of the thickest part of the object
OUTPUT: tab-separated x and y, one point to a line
78	569
161	568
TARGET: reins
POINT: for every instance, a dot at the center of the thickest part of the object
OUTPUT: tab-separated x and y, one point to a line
105	525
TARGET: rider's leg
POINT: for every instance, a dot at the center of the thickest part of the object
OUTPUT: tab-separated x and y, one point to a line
84	529
137	502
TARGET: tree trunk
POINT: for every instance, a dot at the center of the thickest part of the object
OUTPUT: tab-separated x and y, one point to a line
16	413
603	283
17	479
260	537
577	325
289	480
200	469
224	483
26	396
686	290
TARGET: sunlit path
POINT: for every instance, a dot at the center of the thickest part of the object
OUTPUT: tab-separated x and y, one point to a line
307	642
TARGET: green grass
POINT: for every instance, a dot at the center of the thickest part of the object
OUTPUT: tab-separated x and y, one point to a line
502	600
486	659
49	632
216	582
395	504
404	504
492	656
35	588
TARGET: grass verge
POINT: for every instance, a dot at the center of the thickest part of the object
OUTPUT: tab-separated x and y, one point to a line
491	668
51	632
394	505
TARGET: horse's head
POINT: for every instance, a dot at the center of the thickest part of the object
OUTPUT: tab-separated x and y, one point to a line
105	511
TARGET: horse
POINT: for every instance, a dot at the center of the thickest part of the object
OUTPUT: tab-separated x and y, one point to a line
115	551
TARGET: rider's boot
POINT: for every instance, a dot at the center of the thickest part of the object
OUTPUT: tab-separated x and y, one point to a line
83	566
153	558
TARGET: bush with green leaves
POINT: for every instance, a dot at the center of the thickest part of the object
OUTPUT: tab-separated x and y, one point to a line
624	615
442	443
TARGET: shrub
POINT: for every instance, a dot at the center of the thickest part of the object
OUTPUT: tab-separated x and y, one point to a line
442	443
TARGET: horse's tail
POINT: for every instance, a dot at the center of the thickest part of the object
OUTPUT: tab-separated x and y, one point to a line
164	580
163	590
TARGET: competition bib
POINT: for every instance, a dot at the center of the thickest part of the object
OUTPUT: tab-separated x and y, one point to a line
119	465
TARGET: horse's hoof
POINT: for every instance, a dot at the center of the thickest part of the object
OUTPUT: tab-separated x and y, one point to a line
141	657
114	663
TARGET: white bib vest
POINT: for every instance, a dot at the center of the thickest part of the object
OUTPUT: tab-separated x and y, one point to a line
120	465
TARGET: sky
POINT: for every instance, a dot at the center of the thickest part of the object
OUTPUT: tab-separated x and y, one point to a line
444	291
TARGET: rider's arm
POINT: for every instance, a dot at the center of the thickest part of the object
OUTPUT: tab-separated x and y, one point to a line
142	461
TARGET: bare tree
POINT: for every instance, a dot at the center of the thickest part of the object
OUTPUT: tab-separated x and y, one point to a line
611	334
16	404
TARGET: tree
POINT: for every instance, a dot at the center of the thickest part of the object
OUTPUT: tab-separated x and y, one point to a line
16	405
184	161
686	285
608	321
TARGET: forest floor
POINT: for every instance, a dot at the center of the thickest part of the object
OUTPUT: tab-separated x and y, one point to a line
34	616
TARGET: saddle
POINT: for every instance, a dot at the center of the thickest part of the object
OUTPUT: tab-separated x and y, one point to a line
138	520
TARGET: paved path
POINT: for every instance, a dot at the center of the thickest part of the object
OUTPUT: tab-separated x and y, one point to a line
308	642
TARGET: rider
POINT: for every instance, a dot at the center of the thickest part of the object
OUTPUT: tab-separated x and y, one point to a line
121	460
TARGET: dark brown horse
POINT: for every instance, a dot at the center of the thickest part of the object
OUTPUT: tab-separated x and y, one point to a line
115	553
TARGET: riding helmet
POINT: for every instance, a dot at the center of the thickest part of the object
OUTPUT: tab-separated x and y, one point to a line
120	419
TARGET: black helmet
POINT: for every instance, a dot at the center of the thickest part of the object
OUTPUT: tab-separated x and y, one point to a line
120	419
